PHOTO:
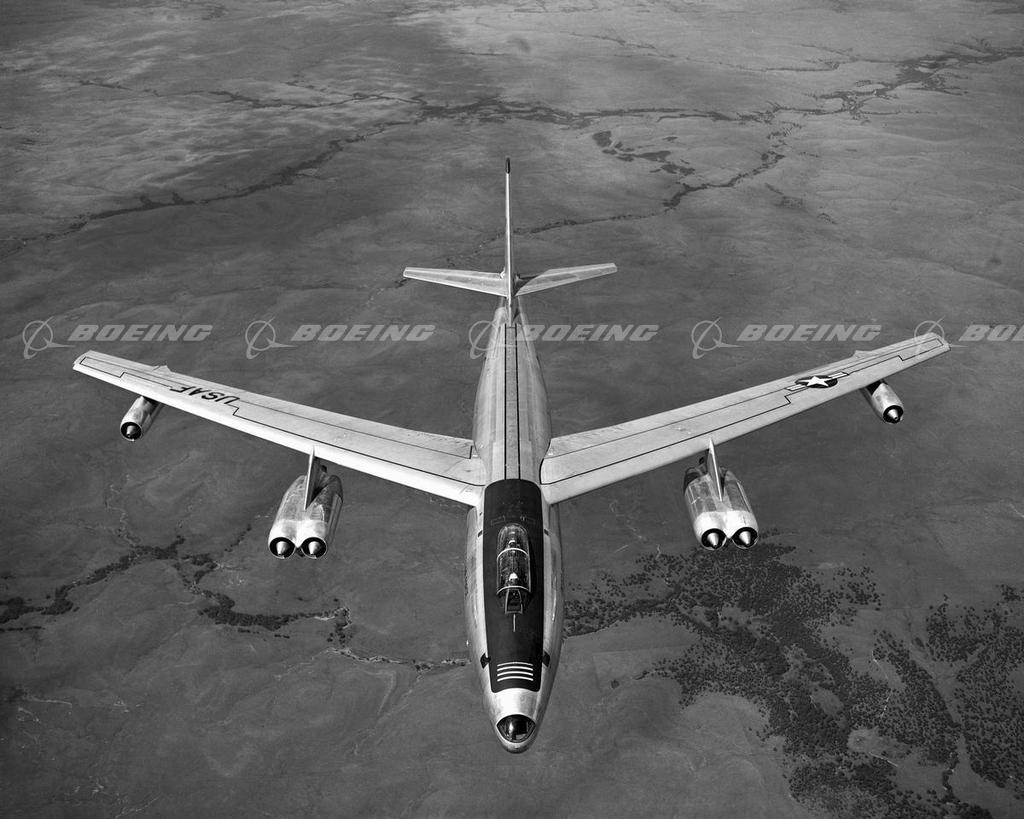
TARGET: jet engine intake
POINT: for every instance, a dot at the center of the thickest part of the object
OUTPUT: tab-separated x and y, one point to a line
139	418
308	530
719	509
884	401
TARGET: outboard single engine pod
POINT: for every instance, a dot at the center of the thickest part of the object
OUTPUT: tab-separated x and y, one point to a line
139	418
884	401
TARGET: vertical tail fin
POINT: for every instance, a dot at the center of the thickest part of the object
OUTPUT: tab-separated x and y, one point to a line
506	283
509	272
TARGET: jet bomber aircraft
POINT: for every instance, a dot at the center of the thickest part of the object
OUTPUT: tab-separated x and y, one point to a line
511	474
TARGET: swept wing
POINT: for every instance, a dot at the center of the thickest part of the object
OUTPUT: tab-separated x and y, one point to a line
438	464
585	461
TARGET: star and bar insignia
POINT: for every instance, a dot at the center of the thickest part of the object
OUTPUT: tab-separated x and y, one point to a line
820	382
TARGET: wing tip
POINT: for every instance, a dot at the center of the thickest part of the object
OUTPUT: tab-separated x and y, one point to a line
79	363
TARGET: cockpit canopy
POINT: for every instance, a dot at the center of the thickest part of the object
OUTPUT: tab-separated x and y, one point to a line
514	584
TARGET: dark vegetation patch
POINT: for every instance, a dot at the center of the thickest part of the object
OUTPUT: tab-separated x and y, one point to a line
761	626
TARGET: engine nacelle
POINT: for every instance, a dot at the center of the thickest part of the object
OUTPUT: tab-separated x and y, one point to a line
281	539
717	517
320	521
884	401
139	418
309	529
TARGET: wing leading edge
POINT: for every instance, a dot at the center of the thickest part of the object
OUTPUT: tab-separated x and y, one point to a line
437	464
579	463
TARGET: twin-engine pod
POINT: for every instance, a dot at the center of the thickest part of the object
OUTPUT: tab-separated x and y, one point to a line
884	401
308	528
139	417
718	506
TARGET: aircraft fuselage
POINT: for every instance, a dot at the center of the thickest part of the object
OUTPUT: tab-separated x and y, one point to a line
514	627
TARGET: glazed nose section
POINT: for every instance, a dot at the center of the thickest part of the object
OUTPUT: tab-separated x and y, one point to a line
516	730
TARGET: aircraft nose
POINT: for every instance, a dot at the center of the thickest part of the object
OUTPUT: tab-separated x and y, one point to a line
516	728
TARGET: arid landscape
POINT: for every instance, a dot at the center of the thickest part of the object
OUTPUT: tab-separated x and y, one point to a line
248	169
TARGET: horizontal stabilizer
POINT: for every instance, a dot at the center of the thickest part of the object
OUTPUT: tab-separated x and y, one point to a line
563	275
479	281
